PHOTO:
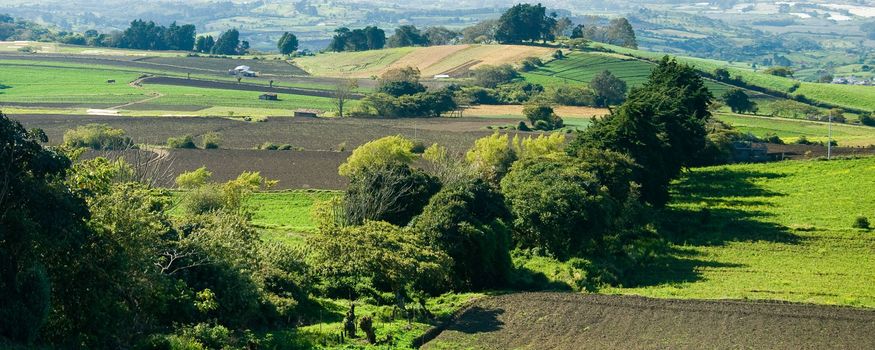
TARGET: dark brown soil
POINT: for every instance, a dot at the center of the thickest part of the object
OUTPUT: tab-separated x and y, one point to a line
579	321
458	134
293	169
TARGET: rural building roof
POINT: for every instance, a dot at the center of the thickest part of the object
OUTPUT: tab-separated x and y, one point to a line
244	68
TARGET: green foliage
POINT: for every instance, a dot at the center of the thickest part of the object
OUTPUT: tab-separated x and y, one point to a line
466	220
866	119
542	117
36	208
98	137
608	89
383	151
492	76
211	140
228	43
530	64
368	38
407	35
288	43
738	101
491	157
524	22
661	126
400	81
378	255
780	72
193	179
570	95
423	104
186	141
861	222
391	192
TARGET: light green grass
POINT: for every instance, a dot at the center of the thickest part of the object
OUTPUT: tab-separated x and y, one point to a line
772	231
790	130
287	210
86	87
860	97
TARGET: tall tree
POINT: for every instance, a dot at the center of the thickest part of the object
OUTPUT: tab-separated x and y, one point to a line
524	22
228	43
440	36
620	32
661	126
609	89
407	35
288	43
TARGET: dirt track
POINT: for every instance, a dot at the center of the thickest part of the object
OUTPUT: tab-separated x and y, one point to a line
578	321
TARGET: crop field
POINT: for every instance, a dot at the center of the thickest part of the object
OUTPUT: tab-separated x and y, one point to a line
578	68
430	60
769	231
790	130
577	321
860	97
87	87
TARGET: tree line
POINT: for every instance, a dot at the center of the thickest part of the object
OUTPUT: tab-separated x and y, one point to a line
519	24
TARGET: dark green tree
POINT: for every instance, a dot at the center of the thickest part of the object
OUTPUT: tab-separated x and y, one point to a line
661	126
467	221
738	101
608	89
228	43
524	22
288	43
620	32
407	35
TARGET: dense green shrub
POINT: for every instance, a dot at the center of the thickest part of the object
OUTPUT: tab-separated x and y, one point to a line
392	192
401	88
98	137
861	222
530	63
194	178
569	95
866	119
542	117
492	76
211	140
186	141
467	221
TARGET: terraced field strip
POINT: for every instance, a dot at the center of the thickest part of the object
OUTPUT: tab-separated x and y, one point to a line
792	129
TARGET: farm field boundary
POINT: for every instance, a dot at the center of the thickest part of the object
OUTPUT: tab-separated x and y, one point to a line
213	84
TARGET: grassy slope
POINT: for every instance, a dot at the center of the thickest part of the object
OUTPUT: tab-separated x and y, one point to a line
862	97
770	231
76	84
789	130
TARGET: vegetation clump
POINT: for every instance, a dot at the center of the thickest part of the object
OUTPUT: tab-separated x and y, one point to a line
97	137
184	142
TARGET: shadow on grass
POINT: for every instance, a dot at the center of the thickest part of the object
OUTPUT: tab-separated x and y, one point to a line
675	267
478	320
714	209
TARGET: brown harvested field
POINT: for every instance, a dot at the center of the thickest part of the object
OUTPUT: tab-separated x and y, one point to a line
562	111
293	169
579	321
309	133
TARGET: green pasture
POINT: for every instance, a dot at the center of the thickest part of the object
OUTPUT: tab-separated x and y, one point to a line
83	86
790	130
778	231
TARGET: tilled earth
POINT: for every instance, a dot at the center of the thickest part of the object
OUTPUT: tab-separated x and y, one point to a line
316	134
580	321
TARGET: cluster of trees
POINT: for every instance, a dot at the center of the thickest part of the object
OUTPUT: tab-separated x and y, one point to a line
149	36
618	32
228	43
368	38
373	38
91	257
500	85
12	29
400	94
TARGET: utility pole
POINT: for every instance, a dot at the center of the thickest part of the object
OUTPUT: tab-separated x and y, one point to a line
829	139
